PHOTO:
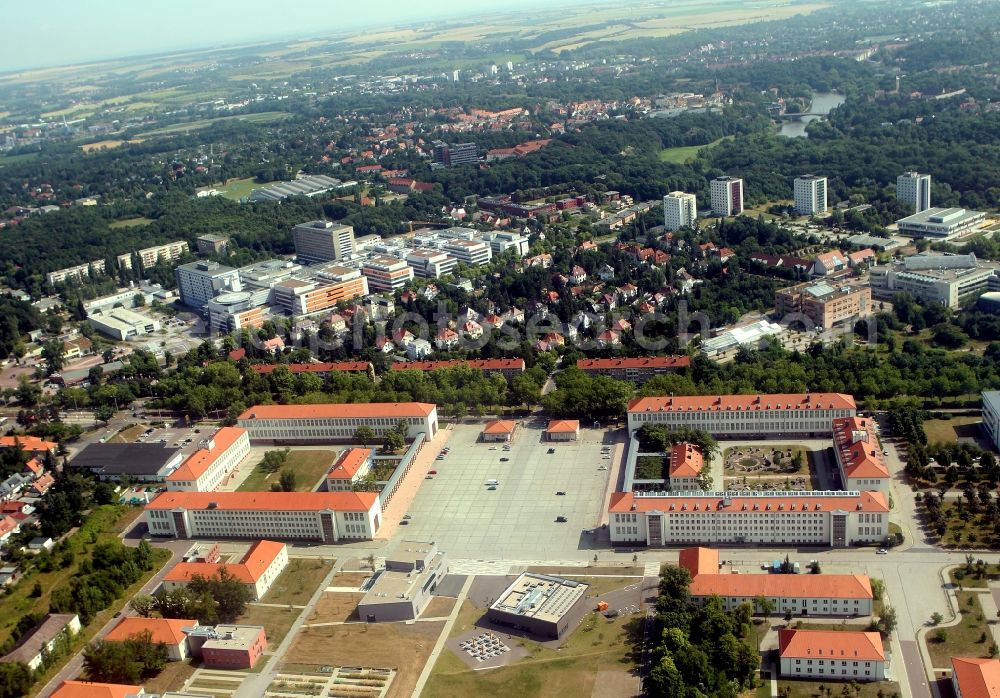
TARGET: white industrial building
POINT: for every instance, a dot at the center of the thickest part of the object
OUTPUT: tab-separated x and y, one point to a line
940	223
934	278
122	324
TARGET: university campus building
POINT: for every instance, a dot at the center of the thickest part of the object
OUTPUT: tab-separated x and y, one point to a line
637	370
329	517
832	654
207	467
802	414
832	518
859	455
257	570
333	422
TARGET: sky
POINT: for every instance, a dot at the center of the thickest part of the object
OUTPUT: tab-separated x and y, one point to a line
64	32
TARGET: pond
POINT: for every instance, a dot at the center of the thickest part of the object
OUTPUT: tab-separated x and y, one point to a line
822	104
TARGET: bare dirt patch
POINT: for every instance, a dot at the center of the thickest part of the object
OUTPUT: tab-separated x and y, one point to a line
439	607
336	607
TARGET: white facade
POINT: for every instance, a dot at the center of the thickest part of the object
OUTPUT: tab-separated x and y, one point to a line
199	282
431	264
742	415
836	519
991	416
843	655
311	423
914	189
325	516
323	241
472	252
810	195
387	273
501	242
727	196
680	210
206	468
122	324
150	256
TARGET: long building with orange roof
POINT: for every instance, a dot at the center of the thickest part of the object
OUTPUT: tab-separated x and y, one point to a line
207	467
859	455
836	519
28	444
506	367
975	677
93	689
352	465
329	517
797	414
320	369
168	631
636	369
257	570
798	594
336	422
846	655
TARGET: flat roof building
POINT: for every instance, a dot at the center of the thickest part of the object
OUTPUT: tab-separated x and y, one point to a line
833	518
474	253
122	324
431	264
401	591
151	256
210	243
680	210
387	273
934	278
914	190
310	423
810	195
199	282
140	462
727	196
940	223
506	367
329	517
310	185
323	241
228	646
822	305
991	416
539	604
740	415
299	297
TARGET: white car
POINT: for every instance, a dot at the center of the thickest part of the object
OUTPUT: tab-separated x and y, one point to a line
603	467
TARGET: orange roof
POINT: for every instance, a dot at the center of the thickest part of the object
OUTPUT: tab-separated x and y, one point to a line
200	461
89	689
248	570
27	443
349	463
827	644
499	426
858	448
699	561
729	403
165	630
790	503
480	364
266	501
563	426
686	460
977	678
796	586
360	366
340	410
638	362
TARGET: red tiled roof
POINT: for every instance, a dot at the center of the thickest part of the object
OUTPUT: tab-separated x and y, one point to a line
200	461
266	501
360	366
499	426
90	689
27	443
480	364
976	677
563	426
730	403
349	463
858	448
868	502
340	410
686	460
248	570
699	561
796	586
165	630
832	644
637	362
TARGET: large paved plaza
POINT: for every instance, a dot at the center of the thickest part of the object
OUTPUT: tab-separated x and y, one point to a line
517	519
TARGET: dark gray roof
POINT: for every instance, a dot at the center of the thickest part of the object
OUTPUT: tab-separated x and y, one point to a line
124	459
31	644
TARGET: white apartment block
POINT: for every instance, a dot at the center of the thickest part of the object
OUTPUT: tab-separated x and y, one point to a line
77	273
323	241
844	655
914	189
680	210
834	519
329	517
199	282
151	256
800	414
387	273
501	242
323	423
810	195
431	264
208	467
471	252
727	196
991	416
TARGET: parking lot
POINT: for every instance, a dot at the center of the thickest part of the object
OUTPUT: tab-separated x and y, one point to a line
517	520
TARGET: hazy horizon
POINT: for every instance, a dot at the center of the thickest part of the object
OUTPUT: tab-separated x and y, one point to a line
102	30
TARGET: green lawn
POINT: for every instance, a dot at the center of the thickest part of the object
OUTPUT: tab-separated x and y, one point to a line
963	639
236	189
971	581
950	429
298	582
683	153
308	466
811	689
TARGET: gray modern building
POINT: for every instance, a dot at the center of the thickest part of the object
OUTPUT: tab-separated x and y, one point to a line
199	282
323	241
539	604
403	588
138	462
942	223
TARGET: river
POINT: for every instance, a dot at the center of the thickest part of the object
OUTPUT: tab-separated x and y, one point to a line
822	103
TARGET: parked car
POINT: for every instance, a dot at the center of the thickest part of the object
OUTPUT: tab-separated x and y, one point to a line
561	519
432	472
551	450
504	460
560	493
